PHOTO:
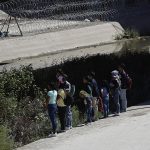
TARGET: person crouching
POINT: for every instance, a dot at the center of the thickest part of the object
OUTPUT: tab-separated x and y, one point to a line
88	102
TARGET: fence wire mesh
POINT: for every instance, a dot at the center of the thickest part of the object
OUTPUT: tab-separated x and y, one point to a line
36	16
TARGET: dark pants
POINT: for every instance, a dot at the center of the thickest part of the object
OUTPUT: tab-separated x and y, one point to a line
106	106
116	100
93	113
89	114
52	109
68	116
81	117
62	117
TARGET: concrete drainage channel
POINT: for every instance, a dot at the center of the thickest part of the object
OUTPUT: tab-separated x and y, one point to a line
134	54
102	59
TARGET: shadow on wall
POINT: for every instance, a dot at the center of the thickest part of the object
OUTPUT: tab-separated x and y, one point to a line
137	66
134	14
139	22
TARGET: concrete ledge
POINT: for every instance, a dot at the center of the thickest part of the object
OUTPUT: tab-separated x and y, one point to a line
57	58
58	41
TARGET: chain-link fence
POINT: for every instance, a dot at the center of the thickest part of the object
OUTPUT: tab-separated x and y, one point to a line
36	16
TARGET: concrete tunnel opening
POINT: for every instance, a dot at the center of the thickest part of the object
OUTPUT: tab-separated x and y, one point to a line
137	64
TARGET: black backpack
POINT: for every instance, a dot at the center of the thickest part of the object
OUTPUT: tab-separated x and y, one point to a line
129	82
69	100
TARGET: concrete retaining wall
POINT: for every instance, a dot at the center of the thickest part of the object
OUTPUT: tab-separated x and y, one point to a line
55	42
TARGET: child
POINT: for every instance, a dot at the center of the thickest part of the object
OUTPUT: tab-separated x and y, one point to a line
52	107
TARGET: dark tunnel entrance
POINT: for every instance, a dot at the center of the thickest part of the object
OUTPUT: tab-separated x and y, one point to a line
136	58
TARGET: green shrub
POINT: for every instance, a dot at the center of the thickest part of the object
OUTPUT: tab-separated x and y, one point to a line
127	34
75	116
16	83
5	142
21	105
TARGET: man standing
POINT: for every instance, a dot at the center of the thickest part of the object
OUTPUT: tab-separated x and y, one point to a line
67	88
95	94
125	84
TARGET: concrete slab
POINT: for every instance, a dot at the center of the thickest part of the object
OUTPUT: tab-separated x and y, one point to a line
58	41
53	59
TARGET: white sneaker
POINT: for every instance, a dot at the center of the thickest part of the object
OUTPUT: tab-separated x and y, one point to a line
67	128
52	135
116	114
89	123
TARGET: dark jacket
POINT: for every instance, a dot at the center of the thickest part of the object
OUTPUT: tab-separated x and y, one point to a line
87	87
88	101
124	78
95	89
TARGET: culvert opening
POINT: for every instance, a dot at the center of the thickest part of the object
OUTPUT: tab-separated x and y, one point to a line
137	63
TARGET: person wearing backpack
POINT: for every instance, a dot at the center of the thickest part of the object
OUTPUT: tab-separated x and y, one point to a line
126	83
94	85
95	94
115	85
68	101
86	86
88	103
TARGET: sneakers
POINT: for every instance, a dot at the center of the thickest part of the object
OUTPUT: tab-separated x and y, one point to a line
123	111
68	128
89	123
52	135
61	131
116	114
80	125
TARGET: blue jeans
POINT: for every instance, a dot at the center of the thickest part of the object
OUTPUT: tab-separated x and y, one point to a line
116	100
89	114
106	106
52	109
68	116
123	100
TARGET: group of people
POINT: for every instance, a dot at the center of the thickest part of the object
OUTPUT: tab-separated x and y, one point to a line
91	98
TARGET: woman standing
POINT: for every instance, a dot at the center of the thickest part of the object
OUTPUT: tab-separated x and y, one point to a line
52	107
61	109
